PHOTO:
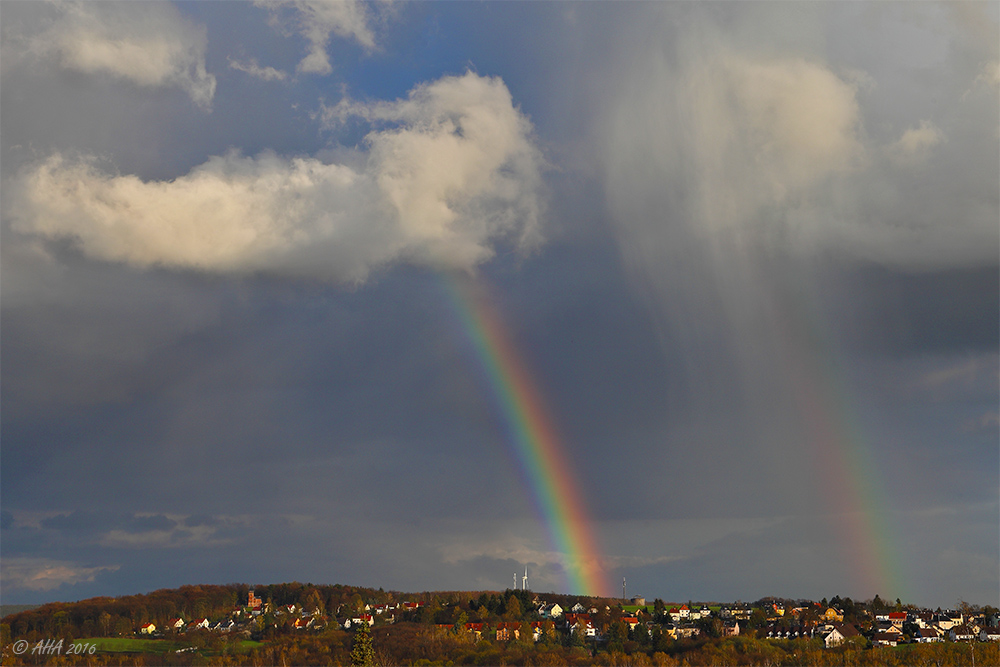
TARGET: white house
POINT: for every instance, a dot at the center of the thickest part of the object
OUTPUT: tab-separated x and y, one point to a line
989	635
927	636
833	638
550	610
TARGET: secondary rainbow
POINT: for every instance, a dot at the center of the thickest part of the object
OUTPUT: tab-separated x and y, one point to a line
845	463
532	435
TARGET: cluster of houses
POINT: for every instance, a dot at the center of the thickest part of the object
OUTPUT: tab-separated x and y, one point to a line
890	628
886	629
243	617
580	620
927	627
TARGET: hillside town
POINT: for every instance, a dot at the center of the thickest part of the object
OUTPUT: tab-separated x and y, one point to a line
296	623
597	623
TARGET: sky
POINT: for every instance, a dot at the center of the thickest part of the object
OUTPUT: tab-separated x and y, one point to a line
701	296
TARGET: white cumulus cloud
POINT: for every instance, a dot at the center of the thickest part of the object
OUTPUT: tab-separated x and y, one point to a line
447	172
149	44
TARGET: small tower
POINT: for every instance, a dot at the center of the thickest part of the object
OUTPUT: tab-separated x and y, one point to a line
623	590
524	579
515	581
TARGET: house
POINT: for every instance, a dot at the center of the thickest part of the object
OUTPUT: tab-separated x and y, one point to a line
832	615
631	621
837	634
550	610
888	628
926	636
989	635
832	638
675	614
176	624
476	628
589	630
253	601
897	618
575	622
578	608
362	618
198	624
961	633
147	628
884	639
302	623
507	631
794	632
730	628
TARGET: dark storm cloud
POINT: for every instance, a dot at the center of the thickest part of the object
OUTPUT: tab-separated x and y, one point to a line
707	224
905	313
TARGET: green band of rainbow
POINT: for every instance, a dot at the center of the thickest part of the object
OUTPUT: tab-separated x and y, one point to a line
533	437
846	466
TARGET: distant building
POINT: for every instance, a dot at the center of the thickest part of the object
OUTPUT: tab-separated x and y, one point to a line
638	600
253	601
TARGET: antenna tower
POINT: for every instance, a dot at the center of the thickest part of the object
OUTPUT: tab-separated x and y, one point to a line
524	580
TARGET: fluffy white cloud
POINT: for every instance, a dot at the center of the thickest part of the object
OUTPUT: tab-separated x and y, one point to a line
148	43
449	170
316	20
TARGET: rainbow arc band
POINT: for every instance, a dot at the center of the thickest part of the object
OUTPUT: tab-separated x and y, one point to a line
532	435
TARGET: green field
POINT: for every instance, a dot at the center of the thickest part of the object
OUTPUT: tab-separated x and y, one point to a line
137	645
133	644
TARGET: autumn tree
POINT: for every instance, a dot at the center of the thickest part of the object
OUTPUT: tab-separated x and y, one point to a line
513	611
363	654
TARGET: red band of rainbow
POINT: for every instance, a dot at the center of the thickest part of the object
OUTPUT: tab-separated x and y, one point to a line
533	437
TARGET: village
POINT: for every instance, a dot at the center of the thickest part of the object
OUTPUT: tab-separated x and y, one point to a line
601	621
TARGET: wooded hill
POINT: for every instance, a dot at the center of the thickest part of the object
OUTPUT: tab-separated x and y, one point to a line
303	624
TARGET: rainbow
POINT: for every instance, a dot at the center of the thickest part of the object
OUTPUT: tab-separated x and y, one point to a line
533	437
841	450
